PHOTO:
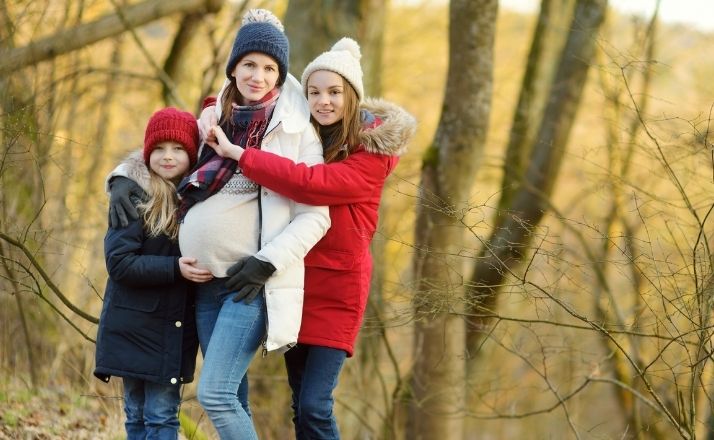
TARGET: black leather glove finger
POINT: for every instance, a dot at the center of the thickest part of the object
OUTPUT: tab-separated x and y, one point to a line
249	271
233	274
114	220
248	294
128	207
236	267
117	217
121	191
237	283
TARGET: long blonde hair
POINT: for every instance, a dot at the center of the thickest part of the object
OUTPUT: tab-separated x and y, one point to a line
159	212
342	138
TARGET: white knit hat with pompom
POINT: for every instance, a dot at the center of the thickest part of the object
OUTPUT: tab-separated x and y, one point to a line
344	59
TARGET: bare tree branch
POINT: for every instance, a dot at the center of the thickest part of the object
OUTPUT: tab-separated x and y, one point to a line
46	278
107	26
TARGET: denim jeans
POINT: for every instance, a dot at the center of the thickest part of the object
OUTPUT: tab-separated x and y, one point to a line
151	410
229	334
312	374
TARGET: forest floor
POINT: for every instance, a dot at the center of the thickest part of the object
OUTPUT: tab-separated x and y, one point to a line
65	413
58	413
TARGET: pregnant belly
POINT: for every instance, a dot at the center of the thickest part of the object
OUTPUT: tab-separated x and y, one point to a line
218	233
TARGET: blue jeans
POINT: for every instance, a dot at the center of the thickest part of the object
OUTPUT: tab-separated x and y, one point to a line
312	374
151	410
229	334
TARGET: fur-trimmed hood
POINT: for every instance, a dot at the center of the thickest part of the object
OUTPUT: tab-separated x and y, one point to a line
393	134
134	168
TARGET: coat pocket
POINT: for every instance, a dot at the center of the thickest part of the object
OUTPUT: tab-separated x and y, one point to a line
330	259
140	300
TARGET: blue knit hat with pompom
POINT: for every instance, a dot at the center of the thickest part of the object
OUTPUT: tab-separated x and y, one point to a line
261	31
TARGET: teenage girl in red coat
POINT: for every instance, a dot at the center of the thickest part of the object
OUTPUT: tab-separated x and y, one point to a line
362	142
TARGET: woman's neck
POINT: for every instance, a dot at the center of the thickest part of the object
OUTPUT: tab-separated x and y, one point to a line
329	130
243	102
331	136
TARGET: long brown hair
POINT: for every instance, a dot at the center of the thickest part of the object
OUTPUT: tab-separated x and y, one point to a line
230	95
342	138
159	212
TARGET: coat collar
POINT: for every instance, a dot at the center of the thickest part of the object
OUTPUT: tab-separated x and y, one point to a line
292	109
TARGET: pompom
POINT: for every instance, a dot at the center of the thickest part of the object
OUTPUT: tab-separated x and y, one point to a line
262	16
349	45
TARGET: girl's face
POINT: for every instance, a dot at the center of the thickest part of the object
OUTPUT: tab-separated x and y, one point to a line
169	160
326	96
256	74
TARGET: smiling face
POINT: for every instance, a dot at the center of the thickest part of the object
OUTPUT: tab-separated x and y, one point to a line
255	74
169	160
326	96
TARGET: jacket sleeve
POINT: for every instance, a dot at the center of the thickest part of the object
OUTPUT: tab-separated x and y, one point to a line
126	264
352	180
309	223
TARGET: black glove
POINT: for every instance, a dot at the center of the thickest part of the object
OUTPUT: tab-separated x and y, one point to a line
248	276
123	194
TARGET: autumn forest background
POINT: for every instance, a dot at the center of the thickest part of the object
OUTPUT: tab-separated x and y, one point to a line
543	266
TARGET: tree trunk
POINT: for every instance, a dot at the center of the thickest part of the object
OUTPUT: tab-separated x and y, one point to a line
448	170
93	164
314	26
508	244
546	45
22	197
107	26
178	56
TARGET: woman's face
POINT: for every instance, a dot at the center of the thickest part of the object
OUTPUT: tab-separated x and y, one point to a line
256	74
169	160
326	96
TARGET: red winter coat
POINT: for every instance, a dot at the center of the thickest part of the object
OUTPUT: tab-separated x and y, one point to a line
339	267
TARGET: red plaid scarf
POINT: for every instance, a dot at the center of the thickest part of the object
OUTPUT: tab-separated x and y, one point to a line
246	128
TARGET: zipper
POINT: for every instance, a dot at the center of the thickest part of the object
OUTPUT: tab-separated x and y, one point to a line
265	338
267	137
270	133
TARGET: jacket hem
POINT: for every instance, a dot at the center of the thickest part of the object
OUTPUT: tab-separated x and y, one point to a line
105	374
322	342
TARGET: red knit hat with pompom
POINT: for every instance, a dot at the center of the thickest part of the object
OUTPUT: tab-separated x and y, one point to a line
172	124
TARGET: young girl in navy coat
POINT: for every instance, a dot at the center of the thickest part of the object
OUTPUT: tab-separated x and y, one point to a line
362	141
147	330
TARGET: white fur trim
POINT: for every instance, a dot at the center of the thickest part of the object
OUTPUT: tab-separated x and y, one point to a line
134	168
392	136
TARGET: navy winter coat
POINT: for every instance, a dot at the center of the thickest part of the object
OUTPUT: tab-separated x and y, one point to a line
147	329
